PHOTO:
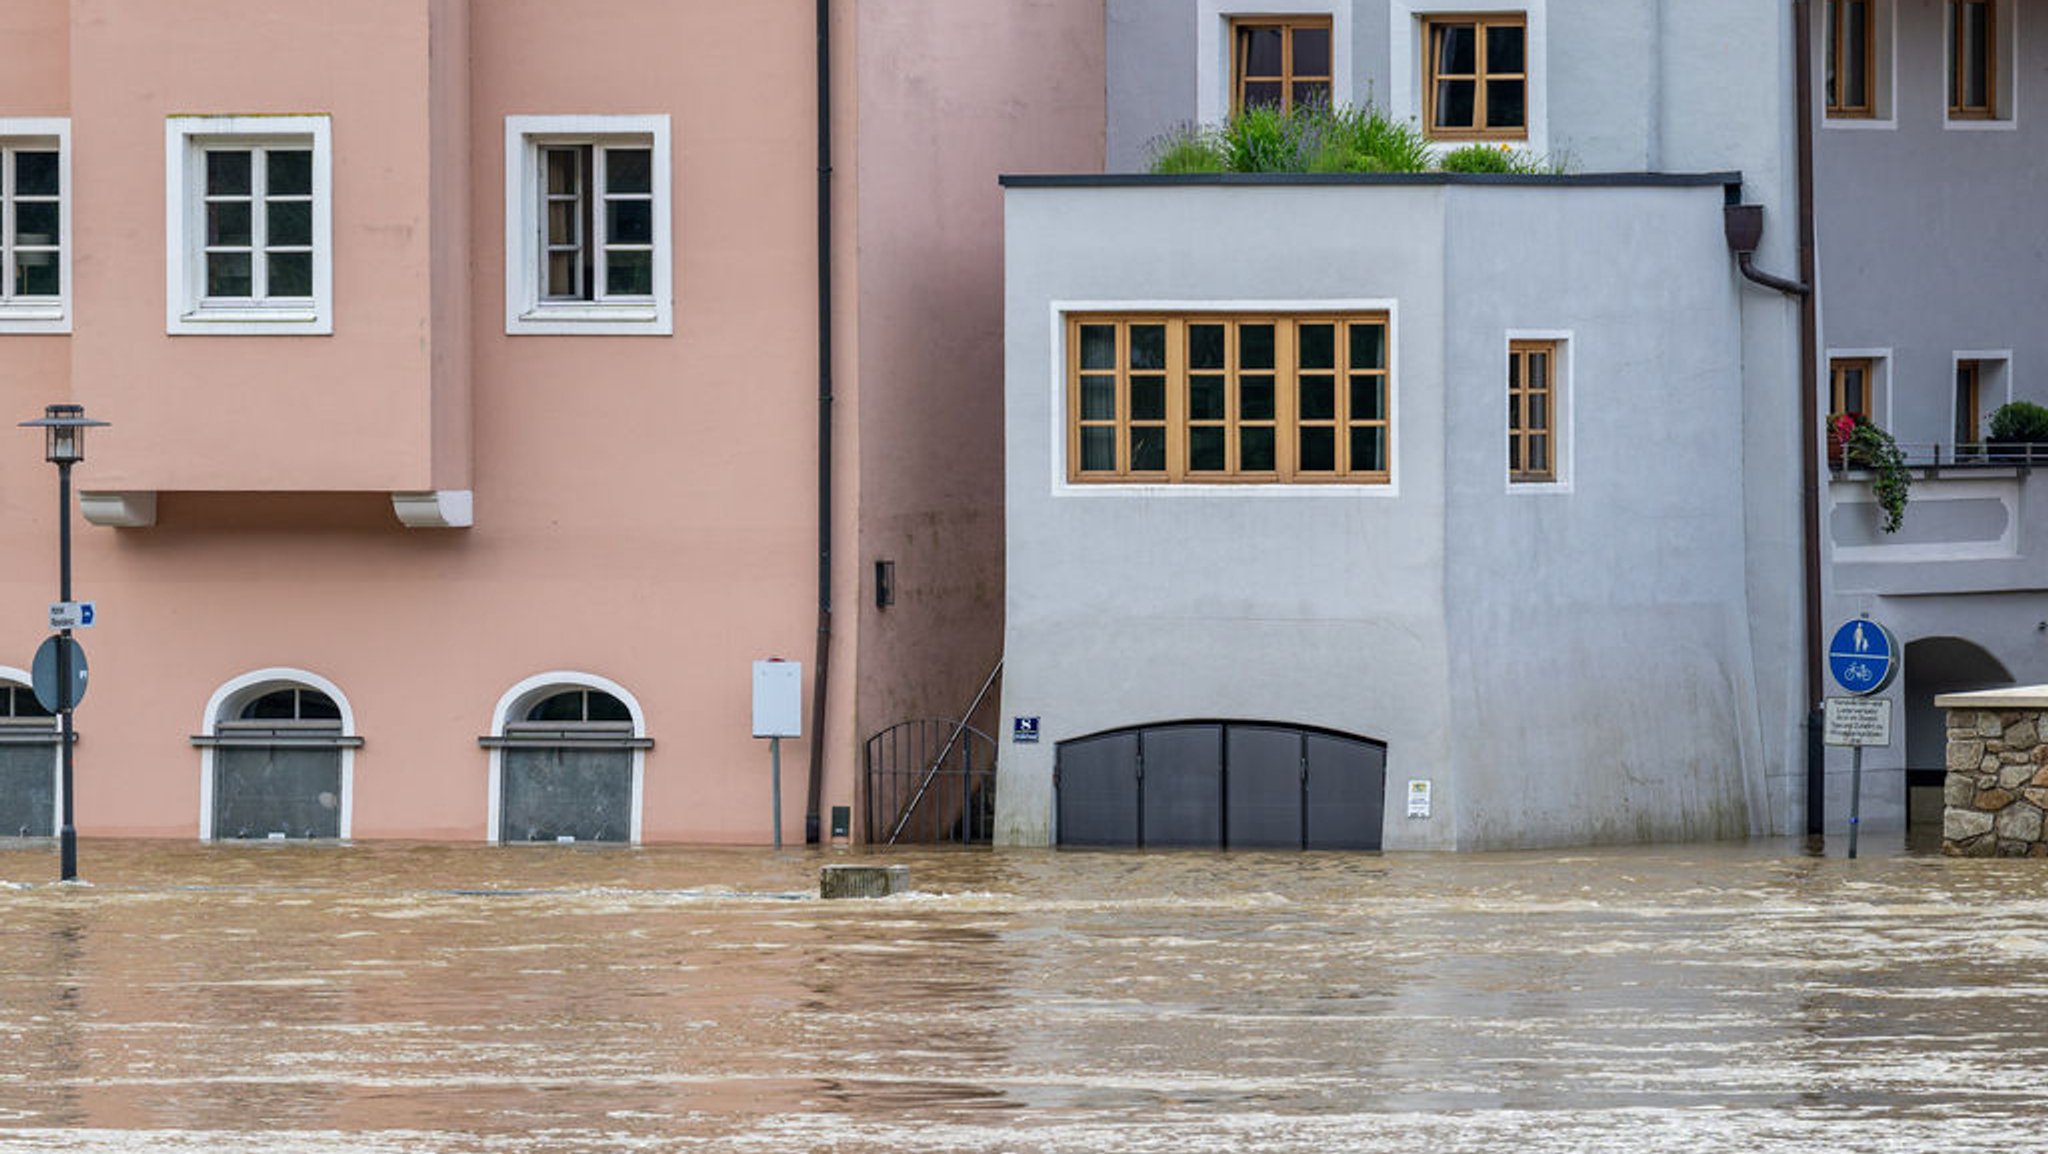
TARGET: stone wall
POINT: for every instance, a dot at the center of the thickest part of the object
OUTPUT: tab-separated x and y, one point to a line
1997	788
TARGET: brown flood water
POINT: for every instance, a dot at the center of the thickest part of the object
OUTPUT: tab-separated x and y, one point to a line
422	998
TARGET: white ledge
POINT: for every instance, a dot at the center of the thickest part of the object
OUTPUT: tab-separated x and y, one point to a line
2010	697
130	510
435	509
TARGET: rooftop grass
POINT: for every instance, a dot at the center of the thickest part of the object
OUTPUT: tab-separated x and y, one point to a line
1321	138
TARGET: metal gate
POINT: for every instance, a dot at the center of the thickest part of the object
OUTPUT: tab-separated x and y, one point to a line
1241	785
932	782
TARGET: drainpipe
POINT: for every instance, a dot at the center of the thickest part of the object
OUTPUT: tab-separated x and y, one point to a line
821	668
1744	227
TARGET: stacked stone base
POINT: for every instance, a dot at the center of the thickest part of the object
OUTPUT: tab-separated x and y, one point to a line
1996	795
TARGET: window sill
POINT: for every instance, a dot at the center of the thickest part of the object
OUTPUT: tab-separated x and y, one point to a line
641	319
252	320
34	318
1980	124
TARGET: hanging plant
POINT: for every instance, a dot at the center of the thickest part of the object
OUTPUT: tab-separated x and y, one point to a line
1865	446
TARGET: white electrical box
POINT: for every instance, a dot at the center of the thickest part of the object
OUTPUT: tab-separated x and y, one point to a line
778	698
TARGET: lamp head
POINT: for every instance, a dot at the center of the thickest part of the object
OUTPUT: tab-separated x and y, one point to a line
64	429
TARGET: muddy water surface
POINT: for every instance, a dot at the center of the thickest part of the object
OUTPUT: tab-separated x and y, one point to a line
401	998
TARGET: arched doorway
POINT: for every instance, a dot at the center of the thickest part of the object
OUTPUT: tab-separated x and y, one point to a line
28	760
1934	666
277	759
1231	784
566	762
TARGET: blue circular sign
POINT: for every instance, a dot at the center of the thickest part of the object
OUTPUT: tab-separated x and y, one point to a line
1863	657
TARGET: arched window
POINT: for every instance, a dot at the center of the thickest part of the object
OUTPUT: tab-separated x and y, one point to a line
28	761
566	762
277	762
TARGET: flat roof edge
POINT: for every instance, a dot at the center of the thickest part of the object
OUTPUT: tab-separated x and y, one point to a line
1257	179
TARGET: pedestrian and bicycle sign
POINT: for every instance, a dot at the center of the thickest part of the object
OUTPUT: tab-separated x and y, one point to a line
1863	657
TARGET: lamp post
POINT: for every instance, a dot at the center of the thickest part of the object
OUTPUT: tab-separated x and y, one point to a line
64	427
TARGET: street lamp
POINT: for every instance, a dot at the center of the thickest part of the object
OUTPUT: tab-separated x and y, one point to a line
64	427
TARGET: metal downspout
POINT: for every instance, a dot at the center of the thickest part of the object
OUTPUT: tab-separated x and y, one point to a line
821	667
1809	421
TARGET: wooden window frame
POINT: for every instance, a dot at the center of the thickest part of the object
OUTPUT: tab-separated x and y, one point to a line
1838	371
589	203
1839	45
1969	405
259	249
1287	78
1523	427
1480	76
1959	107
1286	421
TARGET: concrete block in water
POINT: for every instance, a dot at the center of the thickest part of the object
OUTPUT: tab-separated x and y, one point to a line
863	881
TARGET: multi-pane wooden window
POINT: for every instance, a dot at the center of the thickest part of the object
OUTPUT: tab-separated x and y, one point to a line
1851	40
1850	384
258	243
599	222
1280	61
1475	77
1972	59
1228	399
31	212
1532	410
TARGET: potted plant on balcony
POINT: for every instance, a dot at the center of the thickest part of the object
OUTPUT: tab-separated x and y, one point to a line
1855	442
2016	429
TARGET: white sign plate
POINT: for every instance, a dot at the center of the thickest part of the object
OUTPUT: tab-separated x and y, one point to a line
71	614
1418	798
1854	721
778	699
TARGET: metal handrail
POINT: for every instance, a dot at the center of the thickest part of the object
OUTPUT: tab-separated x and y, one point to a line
1968	455
932	771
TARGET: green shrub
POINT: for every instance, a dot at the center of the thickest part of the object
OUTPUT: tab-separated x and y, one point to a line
1322	138
2020	422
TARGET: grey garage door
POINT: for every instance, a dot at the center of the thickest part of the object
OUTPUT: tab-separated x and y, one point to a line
1243	785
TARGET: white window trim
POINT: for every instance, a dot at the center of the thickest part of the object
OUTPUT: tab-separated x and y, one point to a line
1062	487
522	695
1213	47
1404	71
23	679
525	312
1880	389
1884	71
186	309
1563	444
256	683
2005	100
44	314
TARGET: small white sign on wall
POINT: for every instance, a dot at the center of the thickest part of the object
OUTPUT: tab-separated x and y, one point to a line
1418	797
778	698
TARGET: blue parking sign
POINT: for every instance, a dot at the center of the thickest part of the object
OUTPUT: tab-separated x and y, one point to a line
1863	657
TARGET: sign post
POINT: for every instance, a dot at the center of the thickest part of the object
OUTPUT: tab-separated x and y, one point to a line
1863	658
778	713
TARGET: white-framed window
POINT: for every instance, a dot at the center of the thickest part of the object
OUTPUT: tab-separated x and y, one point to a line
589	245
248	212
568	761
1219	60
1539	441
1857	42
1425	39
277	758
1980	40
35	225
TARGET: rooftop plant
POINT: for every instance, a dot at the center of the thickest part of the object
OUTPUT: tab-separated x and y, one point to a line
1325	138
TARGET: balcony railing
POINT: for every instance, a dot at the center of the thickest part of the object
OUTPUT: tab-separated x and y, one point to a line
1934	455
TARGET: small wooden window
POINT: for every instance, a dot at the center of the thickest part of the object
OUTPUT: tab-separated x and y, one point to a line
1851	56
258	207
1969	411
1532	410
1228	399
1850	385
1280	61
598	232
1475	77
1972	60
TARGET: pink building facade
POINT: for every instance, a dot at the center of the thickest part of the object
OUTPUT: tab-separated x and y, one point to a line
463	365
